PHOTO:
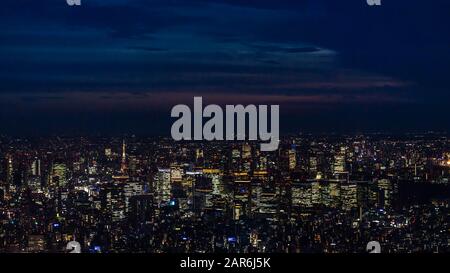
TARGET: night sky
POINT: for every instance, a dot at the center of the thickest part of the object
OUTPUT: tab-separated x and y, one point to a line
118	66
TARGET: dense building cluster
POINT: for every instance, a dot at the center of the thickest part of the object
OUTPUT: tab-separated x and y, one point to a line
314	194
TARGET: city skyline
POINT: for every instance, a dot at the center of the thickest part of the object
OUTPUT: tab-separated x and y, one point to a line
316	194
224	131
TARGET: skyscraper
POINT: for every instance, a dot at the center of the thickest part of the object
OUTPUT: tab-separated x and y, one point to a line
123	166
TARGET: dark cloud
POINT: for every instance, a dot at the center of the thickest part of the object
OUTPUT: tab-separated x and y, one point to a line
322	52
280	49
41	98
147	48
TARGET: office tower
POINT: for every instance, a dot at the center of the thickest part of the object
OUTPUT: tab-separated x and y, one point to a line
330	193
246	158
301	194
132	165
363	189
36	243
123	164
132	188
202	193
36	167
198	154
349	196
339	161
385	193
59	175
292	157
312	167
246	151
9	171
108	152
316	196
92	168
176	173
162	185
264	196
3	175
34	182
260	161
236	160
199	157
218	188
2	169
112	198
242	197
141	209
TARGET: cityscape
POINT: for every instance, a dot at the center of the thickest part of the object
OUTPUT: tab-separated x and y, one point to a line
224	135
316	194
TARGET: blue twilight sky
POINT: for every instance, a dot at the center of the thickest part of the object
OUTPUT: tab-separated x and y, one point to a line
118	66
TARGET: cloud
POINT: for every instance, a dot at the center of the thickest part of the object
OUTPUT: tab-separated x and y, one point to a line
282	49
316	52
146	48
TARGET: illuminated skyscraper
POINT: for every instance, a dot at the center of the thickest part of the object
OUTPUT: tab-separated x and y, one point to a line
6	178
385	193
330	193
132	188
236	161
132	165
349	197
36	167
162	185
9	170
312	165
242	196
112	198
302	194
176	173
123	166
339	161
316	196
59	176
202	197
34	183
292	159
246	151
246	157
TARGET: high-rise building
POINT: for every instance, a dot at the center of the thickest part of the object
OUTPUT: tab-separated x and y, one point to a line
202	193
108	152
242	197
349	196
339	161
123	165
385	193
36	167
301	194
292	155
112	198
132	188
141	209
59	175
9	170
176	173
246	158
162	185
